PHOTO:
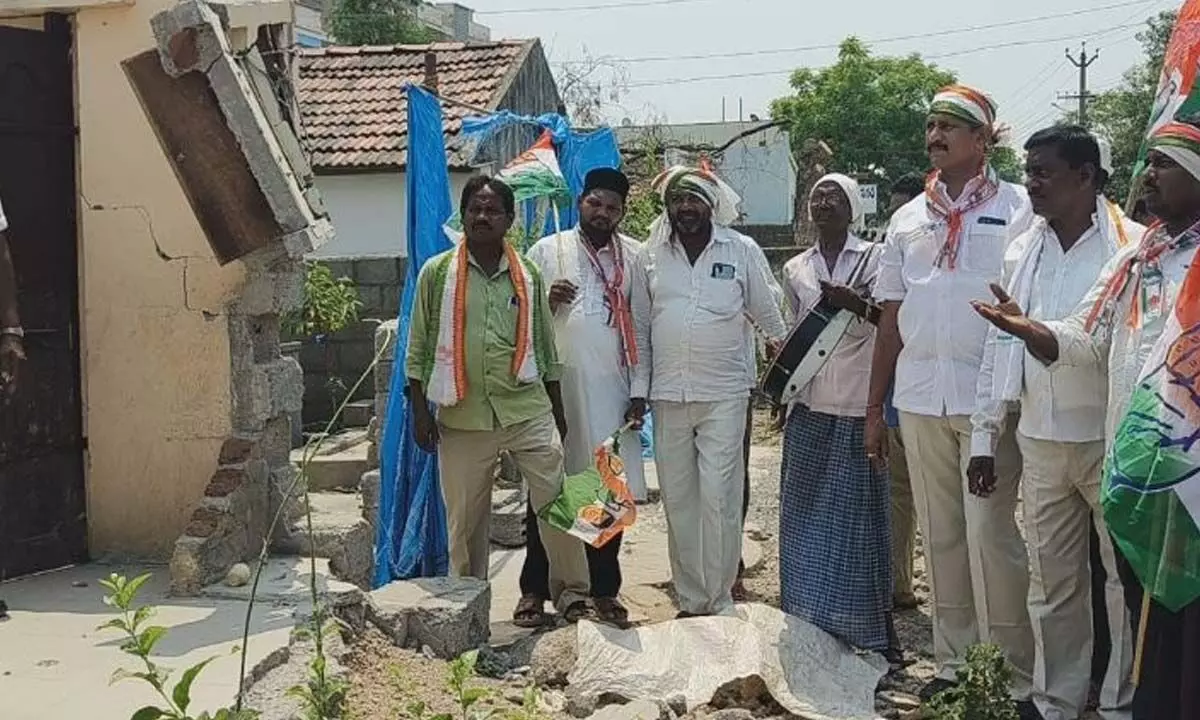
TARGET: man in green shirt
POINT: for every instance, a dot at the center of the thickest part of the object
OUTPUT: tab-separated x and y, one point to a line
481	348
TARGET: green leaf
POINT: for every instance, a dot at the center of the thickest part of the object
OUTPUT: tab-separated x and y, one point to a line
149	637
127	592
114	624
182	694
142	614
148	713
442	716
470	696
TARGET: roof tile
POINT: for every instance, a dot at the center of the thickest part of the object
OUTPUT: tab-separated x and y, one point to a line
353	105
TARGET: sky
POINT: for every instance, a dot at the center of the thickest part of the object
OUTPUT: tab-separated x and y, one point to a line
1014	50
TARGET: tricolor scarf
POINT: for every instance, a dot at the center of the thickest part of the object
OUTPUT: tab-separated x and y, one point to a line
448	380
1181	143
978	191
620	316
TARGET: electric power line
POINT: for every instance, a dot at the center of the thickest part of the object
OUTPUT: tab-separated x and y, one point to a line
788	71
875	41
580	8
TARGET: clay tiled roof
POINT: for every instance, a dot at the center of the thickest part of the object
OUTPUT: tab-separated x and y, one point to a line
354	110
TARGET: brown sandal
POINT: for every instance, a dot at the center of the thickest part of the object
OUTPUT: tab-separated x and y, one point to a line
610	611
530	612
576	611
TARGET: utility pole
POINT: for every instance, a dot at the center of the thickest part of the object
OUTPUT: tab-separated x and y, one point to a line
1083	62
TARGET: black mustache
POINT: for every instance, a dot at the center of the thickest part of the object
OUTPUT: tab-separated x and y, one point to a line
936	146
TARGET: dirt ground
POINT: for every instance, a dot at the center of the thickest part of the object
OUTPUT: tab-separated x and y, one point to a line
386	680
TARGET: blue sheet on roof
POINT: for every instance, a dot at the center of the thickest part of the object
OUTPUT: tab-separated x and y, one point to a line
410	538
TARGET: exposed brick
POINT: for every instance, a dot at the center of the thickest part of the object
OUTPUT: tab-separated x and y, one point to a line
225	481
236	451
205	521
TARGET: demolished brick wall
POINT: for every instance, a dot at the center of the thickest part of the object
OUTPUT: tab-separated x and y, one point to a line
228	141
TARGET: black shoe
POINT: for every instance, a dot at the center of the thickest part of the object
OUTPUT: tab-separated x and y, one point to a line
1026	710
3	610
933	687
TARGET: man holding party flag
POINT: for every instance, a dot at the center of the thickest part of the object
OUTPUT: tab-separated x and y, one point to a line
1142	318
588	270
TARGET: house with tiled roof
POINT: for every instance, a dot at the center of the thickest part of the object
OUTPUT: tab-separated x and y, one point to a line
354	114
354	119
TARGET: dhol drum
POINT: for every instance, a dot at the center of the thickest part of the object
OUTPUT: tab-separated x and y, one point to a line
804	352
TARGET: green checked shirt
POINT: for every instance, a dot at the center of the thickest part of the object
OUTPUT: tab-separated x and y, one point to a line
493	394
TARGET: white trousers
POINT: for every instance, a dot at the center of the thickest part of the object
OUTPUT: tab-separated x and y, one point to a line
1061	493
974	554
699	456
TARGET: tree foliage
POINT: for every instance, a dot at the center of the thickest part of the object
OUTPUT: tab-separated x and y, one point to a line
870	110
377	22
1121	115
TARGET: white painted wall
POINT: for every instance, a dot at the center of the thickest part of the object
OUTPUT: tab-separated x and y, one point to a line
369	213
759	167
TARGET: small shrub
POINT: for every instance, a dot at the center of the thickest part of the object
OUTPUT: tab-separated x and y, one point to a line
982	692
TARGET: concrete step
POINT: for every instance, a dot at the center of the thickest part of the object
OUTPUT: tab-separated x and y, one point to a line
339	534
358	414
339	470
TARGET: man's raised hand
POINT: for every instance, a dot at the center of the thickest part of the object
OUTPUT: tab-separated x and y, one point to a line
1005	314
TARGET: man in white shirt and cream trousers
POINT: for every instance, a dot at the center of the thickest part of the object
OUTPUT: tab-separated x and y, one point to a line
1048	272
943	249
694	283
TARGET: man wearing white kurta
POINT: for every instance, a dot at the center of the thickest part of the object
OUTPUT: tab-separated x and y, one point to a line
1051	268
588	271
942	251
694	283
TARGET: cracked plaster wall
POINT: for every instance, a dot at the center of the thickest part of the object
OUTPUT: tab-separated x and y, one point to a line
155	337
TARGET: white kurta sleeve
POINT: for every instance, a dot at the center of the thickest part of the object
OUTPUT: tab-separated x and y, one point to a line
640	305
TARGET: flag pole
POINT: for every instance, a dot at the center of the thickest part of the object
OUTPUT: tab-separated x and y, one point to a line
1140	649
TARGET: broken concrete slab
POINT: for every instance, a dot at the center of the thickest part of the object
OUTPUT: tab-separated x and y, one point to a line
449	615
339	534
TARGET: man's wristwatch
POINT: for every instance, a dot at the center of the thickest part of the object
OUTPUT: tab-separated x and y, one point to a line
15	331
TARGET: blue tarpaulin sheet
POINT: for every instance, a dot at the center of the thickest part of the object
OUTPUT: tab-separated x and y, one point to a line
410	538
578	153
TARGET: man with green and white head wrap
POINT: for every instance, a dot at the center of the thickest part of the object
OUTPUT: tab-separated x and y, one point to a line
694	283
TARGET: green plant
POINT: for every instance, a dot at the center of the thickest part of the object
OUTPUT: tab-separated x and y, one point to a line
329	304
323	696
982	691
459	682
141	639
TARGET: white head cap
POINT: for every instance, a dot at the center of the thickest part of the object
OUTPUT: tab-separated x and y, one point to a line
1106	163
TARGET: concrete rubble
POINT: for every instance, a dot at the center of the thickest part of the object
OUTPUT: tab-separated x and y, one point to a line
447	615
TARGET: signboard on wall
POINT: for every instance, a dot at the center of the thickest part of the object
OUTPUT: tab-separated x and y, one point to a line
870	198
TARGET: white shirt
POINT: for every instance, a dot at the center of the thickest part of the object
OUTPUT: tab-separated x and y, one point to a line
595	379
3	220
840	388
943	337
690	319
1125	350
754	343
1061	403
